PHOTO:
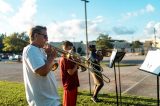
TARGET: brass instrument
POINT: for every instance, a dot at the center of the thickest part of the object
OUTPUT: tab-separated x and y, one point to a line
82	63
55	66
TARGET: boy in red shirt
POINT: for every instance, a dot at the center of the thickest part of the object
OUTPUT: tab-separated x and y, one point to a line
69	76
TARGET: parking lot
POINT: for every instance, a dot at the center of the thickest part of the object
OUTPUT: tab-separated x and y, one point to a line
133	80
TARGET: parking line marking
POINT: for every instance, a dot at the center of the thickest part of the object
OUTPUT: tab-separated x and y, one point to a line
135	84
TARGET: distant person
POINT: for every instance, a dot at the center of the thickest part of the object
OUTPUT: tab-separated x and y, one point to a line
39	80
95	58
69	76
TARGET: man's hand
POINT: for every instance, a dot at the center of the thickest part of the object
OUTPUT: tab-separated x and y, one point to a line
50	51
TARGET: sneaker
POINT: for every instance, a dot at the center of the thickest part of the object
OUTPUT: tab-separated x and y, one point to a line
95	100
98	100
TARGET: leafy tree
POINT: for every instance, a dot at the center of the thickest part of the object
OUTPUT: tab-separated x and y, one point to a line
15	42
2	36
136	44
103	42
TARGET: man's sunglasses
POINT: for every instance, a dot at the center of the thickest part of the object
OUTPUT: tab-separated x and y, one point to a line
45	36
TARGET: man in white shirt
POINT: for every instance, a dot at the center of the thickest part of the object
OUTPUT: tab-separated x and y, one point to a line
39	80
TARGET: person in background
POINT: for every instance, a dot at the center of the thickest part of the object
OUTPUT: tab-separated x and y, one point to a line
69	76
95	58
39	80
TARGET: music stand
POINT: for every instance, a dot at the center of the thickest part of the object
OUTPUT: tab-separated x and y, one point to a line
116	57
152	66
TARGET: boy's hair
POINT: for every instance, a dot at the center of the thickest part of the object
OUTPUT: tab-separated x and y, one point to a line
36	29
67	43
92	47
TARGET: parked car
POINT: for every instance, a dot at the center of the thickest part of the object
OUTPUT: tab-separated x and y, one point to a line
15	57
12	58
4	56
18	57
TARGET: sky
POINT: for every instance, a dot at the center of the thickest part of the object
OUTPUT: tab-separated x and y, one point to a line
128	20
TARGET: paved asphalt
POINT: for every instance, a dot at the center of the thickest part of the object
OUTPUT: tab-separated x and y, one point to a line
133	80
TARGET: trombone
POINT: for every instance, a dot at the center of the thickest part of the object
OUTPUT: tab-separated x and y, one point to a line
82	63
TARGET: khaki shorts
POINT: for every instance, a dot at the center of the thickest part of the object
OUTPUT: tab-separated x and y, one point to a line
96	78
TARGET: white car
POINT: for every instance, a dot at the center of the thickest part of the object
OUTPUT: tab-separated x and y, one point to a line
15	57
12	58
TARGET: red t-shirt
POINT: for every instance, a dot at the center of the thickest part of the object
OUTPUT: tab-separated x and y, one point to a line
69	81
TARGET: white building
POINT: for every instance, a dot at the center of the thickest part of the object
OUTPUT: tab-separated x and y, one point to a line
122	46
77	45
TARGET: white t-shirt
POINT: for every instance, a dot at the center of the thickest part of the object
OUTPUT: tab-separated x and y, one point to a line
40	90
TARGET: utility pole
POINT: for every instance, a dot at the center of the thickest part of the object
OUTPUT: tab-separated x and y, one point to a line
85	7
87	52
155	38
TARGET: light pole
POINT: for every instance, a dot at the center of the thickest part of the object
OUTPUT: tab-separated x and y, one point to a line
87	53
155	37
85	7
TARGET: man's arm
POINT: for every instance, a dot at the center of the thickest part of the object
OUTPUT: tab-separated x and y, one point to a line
45	69
73	70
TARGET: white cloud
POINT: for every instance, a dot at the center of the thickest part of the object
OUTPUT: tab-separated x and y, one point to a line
98	19
148	33
73	15
17	21
24	18
157	29
5	7
147	9
73	28
149	29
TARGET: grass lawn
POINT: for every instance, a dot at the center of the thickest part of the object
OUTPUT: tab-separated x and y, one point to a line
13	94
